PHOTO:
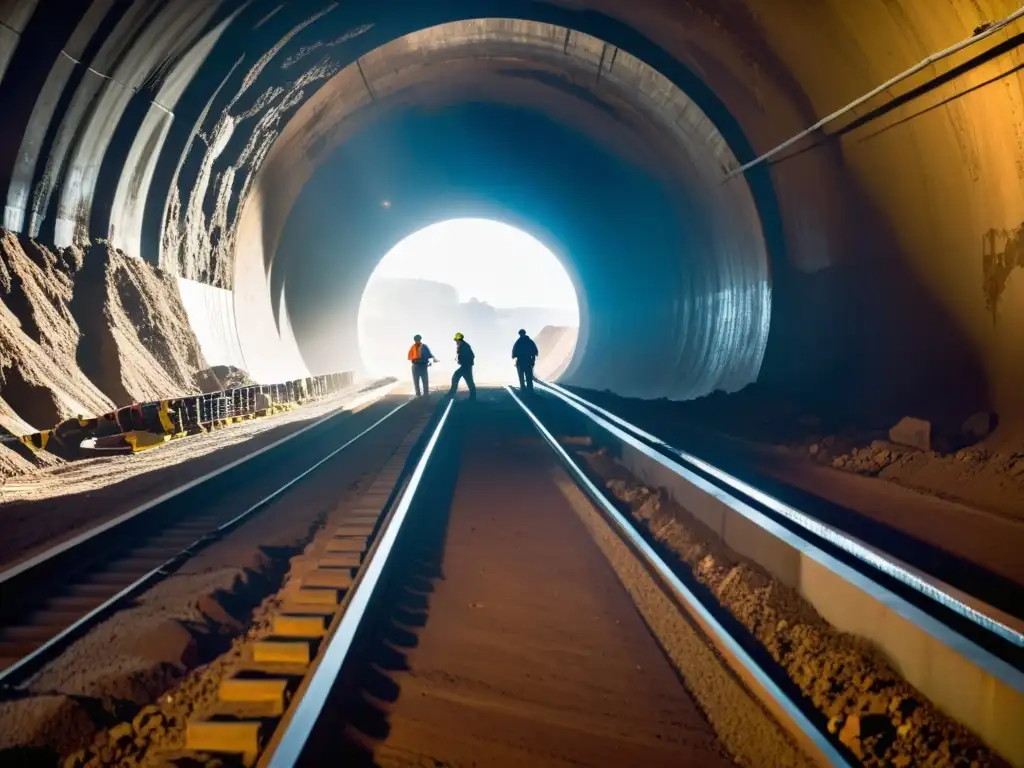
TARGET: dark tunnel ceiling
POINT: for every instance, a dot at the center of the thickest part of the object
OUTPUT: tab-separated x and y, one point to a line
186	132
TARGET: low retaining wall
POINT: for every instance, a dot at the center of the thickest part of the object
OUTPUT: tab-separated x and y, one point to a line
965	681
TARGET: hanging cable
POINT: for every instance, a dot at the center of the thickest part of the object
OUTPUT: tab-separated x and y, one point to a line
985	30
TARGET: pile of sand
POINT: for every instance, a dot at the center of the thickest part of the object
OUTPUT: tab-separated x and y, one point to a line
41	383
138	345
12	462
41	380
223	377
84	333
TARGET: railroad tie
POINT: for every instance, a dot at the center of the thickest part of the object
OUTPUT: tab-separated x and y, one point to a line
243	697
298	625
363	515
362	530
345	544
341	560
328	578
241	737
326	596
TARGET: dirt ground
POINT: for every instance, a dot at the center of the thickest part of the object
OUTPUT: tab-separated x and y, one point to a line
875	713
41	509
132	682
532	653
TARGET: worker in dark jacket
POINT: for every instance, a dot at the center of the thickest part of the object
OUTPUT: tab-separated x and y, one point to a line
465	369
420	357
525	353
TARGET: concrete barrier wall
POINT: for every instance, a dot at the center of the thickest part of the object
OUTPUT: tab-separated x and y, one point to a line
211	313
965	681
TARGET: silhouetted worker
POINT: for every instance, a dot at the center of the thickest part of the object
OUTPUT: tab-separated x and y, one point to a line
465	369
420	357
525	353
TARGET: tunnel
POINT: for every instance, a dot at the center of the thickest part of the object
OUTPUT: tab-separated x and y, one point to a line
247	148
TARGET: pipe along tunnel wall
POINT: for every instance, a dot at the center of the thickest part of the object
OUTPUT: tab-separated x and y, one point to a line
874	268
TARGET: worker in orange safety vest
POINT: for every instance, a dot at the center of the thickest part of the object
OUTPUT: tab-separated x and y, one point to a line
420	357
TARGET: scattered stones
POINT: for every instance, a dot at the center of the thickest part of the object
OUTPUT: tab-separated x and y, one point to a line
917	433
978	426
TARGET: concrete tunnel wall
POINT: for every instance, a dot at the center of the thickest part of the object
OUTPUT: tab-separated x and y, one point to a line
894	236
707	305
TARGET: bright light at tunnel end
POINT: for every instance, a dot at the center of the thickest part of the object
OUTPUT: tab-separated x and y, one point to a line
483	278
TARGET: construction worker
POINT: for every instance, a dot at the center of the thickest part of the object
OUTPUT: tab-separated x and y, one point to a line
420	357
466	358
525	353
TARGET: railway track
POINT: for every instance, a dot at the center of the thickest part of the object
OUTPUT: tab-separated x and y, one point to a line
981	604
305	711
301	697
48	601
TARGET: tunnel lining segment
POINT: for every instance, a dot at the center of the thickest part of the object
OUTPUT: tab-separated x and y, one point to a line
714	326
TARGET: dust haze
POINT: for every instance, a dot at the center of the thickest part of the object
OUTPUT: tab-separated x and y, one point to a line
393	310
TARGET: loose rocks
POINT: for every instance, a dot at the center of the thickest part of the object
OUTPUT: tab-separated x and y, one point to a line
917	433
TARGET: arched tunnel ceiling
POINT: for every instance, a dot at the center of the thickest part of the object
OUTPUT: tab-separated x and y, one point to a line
892	240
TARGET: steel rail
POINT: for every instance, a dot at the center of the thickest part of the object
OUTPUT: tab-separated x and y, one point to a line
682	595
311	698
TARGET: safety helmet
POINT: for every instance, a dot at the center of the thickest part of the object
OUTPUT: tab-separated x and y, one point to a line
459	337
417	337
522	331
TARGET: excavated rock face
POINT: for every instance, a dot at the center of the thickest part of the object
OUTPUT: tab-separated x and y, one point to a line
84	333
40	379
223	377
138	346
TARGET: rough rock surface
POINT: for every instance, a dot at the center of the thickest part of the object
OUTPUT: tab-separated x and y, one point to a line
40	381
39	336
880	717
222	377
84	332
12	460
140	346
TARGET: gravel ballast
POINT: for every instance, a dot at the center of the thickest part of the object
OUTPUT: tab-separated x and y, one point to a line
879	717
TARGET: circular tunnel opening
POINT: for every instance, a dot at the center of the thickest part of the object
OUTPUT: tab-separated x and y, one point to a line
484	278
542	127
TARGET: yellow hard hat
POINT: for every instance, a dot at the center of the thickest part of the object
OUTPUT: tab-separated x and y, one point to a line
459	337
